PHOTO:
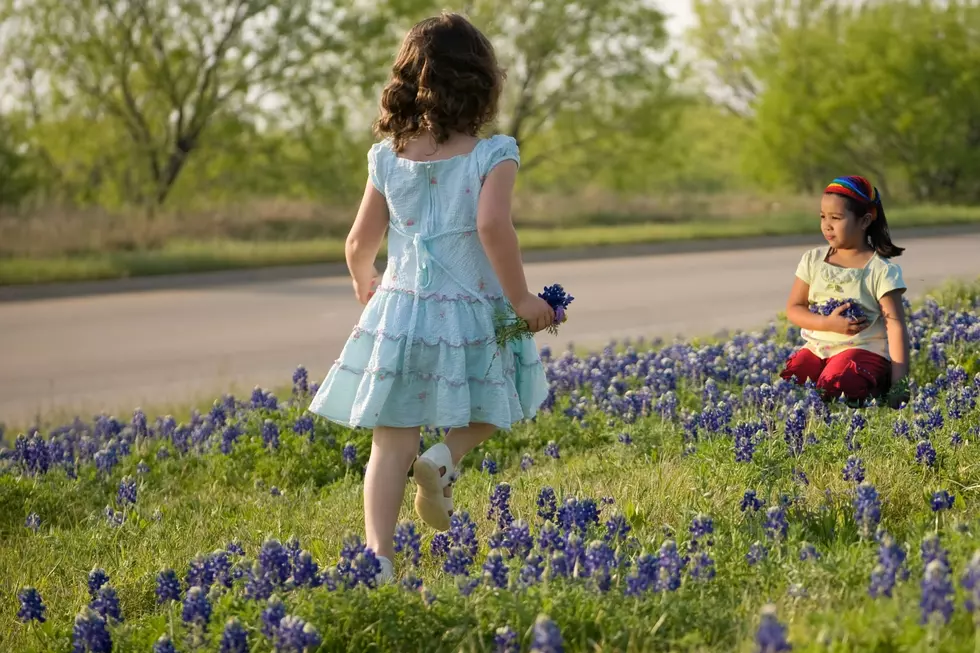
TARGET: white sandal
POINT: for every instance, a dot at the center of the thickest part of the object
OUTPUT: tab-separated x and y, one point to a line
433	473
387	573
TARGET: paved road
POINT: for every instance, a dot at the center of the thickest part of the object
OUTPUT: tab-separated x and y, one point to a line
115	352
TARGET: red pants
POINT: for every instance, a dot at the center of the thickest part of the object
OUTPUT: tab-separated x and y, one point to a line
855	373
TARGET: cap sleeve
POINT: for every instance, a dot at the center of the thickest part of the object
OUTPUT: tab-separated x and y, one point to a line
804	271
888	279
376	166
496	150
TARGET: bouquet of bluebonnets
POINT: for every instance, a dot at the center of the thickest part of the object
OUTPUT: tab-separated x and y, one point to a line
852	312
510	328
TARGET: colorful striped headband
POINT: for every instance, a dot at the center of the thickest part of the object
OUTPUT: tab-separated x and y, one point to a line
857	188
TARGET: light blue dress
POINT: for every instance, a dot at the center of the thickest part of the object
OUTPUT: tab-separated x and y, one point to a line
423	352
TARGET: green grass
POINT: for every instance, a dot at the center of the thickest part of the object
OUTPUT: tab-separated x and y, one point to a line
200	256
207	499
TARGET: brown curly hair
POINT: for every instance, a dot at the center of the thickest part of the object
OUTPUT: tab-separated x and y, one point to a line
445	79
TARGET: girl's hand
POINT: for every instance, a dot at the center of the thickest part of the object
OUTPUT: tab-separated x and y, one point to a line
837	323
365	285
536	312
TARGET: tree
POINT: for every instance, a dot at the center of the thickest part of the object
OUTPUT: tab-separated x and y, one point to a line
583	66
162	71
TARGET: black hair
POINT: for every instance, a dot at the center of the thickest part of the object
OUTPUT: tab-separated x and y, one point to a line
877	235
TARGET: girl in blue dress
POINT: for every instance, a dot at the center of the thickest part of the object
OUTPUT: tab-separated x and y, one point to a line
424	353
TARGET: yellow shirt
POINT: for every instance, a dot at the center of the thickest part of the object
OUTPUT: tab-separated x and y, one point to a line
867	285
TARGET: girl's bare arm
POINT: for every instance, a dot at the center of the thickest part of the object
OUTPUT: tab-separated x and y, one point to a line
364	240
896	328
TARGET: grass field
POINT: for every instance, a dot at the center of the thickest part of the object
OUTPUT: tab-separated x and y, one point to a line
690	490
86	248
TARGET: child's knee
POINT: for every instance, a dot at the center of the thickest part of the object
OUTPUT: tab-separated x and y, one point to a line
848	381
803	366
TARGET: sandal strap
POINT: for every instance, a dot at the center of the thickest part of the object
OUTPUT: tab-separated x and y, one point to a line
440	456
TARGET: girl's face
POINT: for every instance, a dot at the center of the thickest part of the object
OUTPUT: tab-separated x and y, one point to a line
841	228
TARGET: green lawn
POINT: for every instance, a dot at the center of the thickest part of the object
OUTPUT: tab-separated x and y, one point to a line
180	257
198	496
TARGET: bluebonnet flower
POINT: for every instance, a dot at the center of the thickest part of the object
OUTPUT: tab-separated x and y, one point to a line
462	532
138	423
547	503
96	579
808	552
751	502
925	453
366	568
776	525
228	438
795	428
744	442
32	608
274	561
702	527
771	635
142	468
890	568
197	607
296	636
971	583
270	434
272	615
466	585
517	539
304	425
489	466
757	553
852	312
578	514
168	586
349	454
867	509
556	297
89	634
106	603
301	381
305	570
932	549
941	500
854	470
500	505
526	462
533	568
799	476
559	565
624	438
551	450
33	522
234	639
546	636
411	582
458	562
550	538
669	568
440	544
113	518
164	645
937	592
275	491
127	491
235	547
408	541
495	569
702	567
505	641
617	528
